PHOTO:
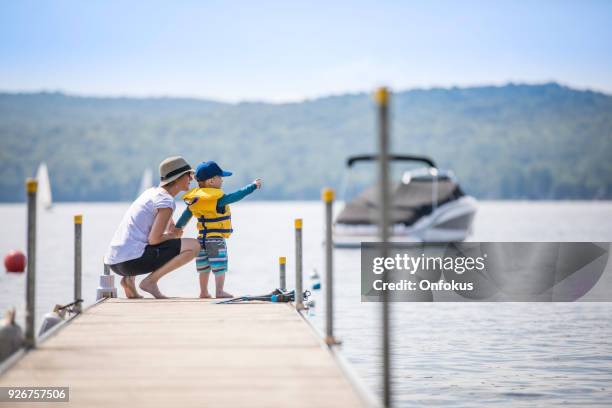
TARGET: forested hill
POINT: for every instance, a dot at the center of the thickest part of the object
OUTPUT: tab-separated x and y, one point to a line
515	141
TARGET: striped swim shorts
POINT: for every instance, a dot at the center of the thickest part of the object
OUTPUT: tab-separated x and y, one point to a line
213	256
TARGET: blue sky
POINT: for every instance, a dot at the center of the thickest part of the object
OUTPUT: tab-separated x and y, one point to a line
288	51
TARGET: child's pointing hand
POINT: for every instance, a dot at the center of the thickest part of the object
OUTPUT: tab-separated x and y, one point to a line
257	182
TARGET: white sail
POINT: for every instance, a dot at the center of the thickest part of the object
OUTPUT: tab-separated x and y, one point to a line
44	197
147	181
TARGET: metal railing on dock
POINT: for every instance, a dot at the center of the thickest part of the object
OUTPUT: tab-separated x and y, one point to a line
78	261
30	331
328	197
382	98
30	338
299	295
282	272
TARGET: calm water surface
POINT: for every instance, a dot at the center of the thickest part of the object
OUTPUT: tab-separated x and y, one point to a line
503	354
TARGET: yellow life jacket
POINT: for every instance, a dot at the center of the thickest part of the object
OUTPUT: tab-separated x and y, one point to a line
202	203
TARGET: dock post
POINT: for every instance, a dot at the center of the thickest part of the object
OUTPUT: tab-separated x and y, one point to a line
282	278
299	290
30	334
107	287
78	263
382	100
328	199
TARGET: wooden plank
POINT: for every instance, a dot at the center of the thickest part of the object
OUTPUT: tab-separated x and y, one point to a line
186	353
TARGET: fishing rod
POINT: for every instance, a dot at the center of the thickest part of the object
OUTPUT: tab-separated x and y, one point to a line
69	305
249	297
276	296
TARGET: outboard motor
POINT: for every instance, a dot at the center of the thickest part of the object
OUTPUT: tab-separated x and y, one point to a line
52	318
11	335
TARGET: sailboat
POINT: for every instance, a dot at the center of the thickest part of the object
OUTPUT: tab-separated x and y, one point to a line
45	199
146	182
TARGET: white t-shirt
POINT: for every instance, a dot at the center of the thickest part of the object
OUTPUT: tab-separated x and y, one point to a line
132	235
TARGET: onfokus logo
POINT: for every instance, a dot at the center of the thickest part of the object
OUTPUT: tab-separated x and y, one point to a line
487	271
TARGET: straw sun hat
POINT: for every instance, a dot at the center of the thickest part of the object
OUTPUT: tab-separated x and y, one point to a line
172	168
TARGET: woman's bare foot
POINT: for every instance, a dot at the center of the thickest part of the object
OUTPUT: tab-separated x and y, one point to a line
205	295
223	294
132	283
128	286
151	287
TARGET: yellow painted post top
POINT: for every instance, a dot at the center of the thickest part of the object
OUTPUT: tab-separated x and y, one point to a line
78	219
381	96
282	260
298	223
31	185
327	195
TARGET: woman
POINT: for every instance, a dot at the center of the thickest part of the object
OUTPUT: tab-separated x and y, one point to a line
147	240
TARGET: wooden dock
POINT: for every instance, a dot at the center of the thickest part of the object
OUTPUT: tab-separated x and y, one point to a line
186	353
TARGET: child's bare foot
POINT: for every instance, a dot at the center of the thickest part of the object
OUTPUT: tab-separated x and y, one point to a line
223	294
128	287
151	287
205	295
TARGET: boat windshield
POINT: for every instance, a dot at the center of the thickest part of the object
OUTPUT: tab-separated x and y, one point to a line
364	175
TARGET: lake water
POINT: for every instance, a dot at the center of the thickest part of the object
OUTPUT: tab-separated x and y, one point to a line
453	354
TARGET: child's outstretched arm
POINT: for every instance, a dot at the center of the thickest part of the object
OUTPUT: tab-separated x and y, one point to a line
237	195
184	218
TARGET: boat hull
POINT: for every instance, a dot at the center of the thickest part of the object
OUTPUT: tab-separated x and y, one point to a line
449	222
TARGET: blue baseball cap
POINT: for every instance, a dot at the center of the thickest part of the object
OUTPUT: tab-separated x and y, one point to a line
209	169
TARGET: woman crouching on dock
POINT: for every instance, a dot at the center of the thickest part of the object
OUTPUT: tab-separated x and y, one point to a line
146	240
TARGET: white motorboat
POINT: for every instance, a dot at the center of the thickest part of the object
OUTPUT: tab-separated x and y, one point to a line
427	205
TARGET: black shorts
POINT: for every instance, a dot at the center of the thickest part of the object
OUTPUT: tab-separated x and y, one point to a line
154	257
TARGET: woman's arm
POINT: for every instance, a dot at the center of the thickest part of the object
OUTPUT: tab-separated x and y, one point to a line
172	229
158	234
171	225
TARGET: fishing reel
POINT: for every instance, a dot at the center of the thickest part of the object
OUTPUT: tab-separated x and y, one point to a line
287	296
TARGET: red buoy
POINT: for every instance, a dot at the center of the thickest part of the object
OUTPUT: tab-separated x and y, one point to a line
15	261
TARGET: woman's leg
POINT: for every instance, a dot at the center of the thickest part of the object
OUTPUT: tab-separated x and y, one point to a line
127	280
129	286
189	249
132	283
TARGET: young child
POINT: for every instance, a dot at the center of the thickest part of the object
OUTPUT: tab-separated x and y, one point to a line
210	205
